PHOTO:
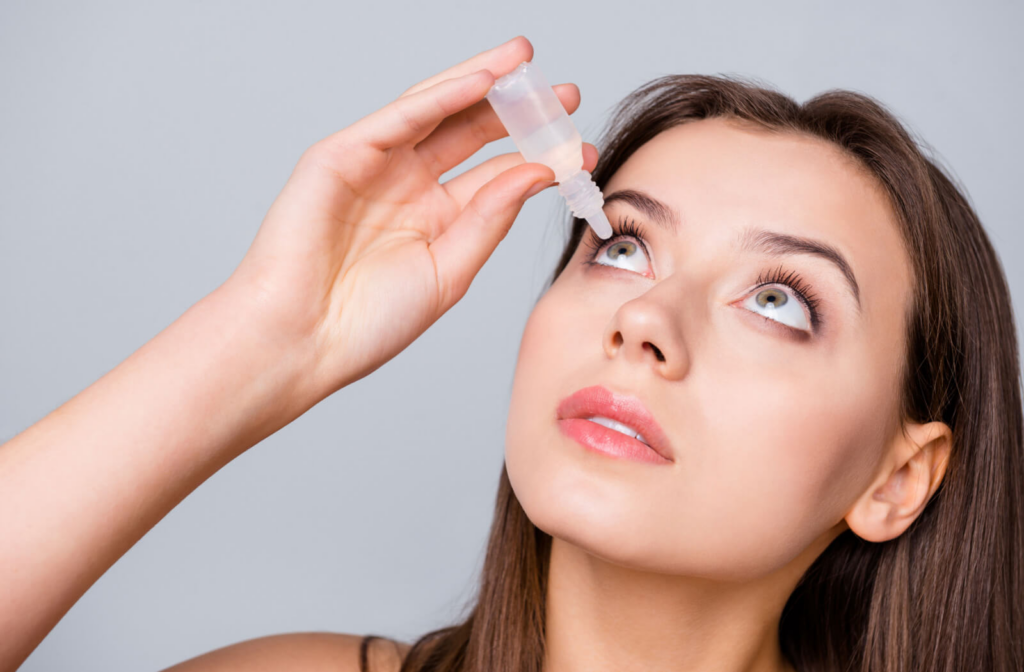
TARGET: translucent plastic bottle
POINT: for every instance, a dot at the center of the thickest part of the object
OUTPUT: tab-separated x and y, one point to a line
538	124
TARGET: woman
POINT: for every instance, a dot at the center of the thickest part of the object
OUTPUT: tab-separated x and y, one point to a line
774	423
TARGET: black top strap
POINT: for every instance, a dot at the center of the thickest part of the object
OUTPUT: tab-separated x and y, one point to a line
364	647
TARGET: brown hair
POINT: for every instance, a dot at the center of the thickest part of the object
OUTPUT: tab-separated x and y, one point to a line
948	593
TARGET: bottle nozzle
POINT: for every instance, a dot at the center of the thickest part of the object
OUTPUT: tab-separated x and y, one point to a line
586	202
536	120
599	223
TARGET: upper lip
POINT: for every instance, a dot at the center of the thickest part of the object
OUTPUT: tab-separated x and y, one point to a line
599	400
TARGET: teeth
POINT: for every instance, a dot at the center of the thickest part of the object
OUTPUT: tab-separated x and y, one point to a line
618	427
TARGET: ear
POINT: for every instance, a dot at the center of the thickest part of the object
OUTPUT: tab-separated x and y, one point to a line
908	477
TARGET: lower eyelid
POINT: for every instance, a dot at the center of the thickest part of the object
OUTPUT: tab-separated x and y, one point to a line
779	327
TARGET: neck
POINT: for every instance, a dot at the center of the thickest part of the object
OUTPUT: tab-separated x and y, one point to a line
602	617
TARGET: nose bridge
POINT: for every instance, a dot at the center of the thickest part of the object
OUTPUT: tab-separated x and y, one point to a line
650	328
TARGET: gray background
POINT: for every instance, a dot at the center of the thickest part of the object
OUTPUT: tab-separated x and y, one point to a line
140	147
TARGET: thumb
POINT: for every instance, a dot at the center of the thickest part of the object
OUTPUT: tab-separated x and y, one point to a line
460	252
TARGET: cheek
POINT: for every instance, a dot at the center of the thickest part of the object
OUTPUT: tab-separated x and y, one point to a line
543	367
546	356
781	455
553	478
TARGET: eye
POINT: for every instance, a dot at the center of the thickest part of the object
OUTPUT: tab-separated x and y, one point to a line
797	309
791	310
627	249
776	305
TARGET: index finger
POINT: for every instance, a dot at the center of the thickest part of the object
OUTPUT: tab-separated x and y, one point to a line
500	60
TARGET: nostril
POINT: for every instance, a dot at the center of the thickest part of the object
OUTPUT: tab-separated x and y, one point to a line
657	352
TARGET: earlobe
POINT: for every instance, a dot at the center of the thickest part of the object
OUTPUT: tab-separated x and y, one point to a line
909	475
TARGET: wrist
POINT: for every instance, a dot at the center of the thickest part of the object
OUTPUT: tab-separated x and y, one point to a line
266	374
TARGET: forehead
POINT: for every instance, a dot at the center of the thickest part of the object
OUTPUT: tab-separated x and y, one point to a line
721	176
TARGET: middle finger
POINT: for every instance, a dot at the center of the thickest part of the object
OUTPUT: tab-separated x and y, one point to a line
462	134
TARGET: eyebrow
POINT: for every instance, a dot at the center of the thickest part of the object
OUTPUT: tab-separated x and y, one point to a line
751	239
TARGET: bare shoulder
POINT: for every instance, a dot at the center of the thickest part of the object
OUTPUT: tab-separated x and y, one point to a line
299	652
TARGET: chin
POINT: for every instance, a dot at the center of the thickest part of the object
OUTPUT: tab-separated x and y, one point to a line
588	511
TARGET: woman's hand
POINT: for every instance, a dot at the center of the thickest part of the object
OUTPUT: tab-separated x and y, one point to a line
364	249
359	254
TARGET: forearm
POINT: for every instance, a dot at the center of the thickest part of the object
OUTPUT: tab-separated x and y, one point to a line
82	485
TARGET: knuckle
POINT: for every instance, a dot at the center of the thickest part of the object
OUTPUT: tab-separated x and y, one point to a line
325	151
339	160
312	155
335	151
409	120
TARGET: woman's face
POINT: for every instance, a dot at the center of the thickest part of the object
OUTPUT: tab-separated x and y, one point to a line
776	426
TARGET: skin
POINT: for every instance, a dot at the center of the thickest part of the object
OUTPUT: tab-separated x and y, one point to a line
364	217
364	248
687	565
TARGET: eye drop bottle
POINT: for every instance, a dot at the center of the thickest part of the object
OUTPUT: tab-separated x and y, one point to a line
538	124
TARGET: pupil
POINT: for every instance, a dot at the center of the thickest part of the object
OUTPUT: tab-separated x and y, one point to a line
771	297
622	249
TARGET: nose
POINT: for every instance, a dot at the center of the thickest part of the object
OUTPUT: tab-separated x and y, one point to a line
646	332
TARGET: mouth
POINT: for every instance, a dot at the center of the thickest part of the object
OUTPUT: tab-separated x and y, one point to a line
614	424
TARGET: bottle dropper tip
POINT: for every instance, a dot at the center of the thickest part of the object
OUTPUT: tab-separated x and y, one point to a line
599	223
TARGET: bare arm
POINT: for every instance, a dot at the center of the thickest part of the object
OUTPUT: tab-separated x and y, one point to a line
360	253
81	486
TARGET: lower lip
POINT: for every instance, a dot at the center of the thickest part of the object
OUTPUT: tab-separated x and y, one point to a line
601	439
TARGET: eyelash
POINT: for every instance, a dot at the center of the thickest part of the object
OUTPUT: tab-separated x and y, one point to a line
630	229
625	229
800	287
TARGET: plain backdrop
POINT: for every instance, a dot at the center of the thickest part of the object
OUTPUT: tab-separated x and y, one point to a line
140	147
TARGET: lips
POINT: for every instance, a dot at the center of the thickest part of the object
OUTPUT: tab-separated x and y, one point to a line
599	400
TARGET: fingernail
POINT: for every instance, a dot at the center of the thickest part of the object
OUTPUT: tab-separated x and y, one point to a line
538	187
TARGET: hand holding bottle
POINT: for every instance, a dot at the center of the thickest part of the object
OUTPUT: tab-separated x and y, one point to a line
361	252
364	249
